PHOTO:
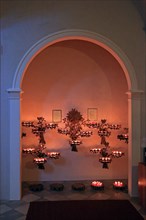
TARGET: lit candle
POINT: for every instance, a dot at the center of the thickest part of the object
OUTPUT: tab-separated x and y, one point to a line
95	150
118	184
40	160
28	150
54	155
96	185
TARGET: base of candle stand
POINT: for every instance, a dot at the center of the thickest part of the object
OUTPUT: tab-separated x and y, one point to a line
78	186
36	187
74	147
57	187
97	187
119	187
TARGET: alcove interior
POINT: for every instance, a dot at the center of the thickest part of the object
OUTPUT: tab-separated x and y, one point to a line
74	74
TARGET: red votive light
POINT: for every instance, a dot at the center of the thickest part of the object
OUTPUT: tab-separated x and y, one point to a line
40	160
54	155
28	150
118	184
77	142
97	185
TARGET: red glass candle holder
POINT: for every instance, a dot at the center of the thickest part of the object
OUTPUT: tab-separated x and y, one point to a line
97	185
118	185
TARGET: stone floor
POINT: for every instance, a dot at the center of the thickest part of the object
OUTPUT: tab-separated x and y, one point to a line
17	210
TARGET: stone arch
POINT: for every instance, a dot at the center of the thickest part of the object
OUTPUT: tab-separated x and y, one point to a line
133	97
95	38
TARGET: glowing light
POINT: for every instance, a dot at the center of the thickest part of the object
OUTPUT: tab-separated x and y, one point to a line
118	185
97	185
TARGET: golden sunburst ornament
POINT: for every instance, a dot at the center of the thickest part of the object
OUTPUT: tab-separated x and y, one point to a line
74	116
74	123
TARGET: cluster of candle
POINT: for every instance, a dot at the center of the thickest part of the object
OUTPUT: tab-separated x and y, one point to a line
54	155
28	150
104	132
40	160
27	123
117	154
92	124
38	130
123	137
76	142
51	125
114	126
63	131
95	150
86	133
105	159
118	184
97	184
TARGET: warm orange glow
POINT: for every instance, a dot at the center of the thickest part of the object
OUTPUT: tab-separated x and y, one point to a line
97	184
118	184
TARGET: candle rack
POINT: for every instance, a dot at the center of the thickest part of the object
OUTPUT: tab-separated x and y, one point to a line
38	152
124	136
74	123
104	131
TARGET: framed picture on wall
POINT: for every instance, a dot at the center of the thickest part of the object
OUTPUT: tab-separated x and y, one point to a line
92	114
56	115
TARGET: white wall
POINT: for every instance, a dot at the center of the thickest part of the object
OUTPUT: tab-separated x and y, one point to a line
23	23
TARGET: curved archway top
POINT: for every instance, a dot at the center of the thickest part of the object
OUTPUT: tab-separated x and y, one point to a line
72	34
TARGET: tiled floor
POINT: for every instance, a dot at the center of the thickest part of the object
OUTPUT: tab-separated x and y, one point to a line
17	210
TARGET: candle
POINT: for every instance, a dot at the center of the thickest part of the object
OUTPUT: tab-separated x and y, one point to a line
54	155
117	153
40	160
75	142
28	150
97	185
105	159
95	150
118	184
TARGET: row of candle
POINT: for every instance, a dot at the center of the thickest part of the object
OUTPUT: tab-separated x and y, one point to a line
86	133
114	153
51	125
98	125
38	130
63	131
99	184
77	142
92	124
95	150
105	159
114	126
117	154
54	155
28	150
118	184
122	136
104	133
31	124
40	160
27	123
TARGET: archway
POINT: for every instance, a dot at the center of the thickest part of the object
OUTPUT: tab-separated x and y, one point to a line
133	97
